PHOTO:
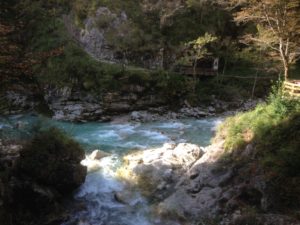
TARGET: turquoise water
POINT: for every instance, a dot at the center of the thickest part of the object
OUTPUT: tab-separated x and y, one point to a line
97	193
116	138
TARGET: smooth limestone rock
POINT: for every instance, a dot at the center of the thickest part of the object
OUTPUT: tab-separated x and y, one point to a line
98	154
188	182
158	170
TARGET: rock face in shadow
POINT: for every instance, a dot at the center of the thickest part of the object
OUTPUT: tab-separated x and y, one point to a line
39	177
195	184
139	102
79	105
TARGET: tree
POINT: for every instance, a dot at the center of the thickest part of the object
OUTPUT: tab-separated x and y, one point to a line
278	27
195	50
125	39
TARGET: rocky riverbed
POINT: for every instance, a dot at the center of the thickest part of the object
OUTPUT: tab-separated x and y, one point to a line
158	173
195	185
131	104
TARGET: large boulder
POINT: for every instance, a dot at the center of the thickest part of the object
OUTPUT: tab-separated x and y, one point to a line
156	171
36	179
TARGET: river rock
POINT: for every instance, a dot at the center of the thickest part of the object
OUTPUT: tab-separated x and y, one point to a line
98	154
127	197
183	205
155	170
195	112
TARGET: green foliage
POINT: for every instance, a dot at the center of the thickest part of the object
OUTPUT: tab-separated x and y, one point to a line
281	147
50	156
142	32
274	128
277	28
172	86
197	49
256	124
104	21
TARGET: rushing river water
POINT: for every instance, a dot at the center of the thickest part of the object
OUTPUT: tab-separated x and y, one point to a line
97	193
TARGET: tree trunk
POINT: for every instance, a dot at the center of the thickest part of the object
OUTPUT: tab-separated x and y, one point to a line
286	72
194	75
284	59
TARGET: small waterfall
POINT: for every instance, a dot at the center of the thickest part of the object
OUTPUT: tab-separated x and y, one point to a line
97	196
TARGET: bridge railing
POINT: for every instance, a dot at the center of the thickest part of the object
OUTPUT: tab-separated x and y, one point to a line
292	88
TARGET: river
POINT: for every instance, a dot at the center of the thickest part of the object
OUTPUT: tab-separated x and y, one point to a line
97	193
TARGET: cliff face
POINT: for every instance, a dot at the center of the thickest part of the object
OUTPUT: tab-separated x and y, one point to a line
82	69
113	37
78	105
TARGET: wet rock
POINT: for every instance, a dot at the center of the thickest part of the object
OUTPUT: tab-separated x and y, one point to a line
120	107
98	154
239	218
193	112
125	197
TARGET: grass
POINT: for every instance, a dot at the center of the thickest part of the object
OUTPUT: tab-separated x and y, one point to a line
244	127
273	128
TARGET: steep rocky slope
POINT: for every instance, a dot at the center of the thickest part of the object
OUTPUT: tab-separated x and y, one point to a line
198	186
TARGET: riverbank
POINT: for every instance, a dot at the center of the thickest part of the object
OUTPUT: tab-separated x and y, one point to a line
96	198
165	177
196	185
37	177
250	174
65	105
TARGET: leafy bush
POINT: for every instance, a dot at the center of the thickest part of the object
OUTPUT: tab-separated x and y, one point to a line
256	124
53	159
104	21
273	128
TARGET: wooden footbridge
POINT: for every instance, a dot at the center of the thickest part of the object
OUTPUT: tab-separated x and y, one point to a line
292	88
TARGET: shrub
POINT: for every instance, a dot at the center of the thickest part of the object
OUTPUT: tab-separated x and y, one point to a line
273	128
105	20
256	124
53	159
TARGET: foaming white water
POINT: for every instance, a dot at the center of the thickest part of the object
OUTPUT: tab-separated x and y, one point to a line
2	126
173	125
98	193
156	135
217	123
133	145
108	134
125	128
